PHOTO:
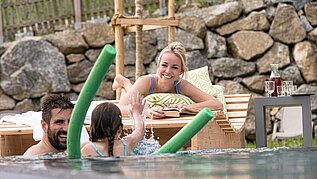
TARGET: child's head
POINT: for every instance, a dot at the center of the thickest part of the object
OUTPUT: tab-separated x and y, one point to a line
105	122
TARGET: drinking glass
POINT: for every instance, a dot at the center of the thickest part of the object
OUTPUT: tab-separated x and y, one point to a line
269	87
294	90
280	91
288	87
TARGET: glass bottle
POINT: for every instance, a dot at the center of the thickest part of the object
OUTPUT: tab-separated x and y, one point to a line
275	76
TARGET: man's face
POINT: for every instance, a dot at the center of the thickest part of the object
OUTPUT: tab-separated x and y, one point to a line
57	129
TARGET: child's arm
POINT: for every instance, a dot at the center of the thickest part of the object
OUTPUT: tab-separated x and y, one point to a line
136	109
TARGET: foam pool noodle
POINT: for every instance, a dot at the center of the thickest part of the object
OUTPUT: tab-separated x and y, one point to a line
187	132
85	97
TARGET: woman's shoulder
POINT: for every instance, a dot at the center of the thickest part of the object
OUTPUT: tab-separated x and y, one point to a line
148	76
184	82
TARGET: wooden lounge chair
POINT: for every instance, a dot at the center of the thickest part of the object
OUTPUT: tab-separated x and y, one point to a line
227	130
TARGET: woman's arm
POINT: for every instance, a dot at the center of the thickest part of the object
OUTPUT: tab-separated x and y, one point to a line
200	98
142	86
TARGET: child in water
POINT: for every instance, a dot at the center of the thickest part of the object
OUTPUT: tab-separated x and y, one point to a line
106	129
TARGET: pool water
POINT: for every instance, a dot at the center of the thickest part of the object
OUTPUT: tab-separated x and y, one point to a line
284	162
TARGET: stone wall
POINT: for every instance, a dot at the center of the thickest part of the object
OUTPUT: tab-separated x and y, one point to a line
237	40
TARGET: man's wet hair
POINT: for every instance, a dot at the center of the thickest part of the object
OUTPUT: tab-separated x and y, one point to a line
55	101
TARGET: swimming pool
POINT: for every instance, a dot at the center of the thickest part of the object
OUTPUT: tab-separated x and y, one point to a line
284	162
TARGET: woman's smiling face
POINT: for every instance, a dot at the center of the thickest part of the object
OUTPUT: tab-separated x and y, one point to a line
170	67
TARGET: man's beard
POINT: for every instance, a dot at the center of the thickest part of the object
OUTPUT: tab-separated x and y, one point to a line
53	139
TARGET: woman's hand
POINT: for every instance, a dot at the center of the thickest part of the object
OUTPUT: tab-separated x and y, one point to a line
156	113
179	106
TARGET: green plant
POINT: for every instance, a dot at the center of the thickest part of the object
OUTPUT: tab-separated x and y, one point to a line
291	142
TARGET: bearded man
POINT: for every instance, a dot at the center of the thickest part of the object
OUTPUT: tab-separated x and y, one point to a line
56	113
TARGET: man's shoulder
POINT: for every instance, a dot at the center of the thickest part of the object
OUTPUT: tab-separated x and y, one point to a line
36	149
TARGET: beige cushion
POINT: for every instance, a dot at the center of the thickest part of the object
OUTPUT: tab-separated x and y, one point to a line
165	99
200	78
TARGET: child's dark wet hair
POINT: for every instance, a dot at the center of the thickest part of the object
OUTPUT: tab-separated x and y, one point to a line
105	122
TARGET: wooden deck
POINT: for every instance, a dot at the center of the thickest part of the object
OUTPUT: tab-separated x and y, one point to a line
225	131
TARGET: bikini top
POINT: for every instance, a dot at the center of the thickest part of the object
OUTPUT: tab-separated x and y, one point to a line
177	89
102	155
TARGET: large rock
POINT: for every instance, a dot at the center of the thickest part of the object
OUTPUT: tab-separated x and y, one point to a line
255	21
31	68
305	23
6	103
74	58
305	57
78	72
249	44
292	73
104	90
26	105
195	60
194	25
232	87
68	42
217	15
93	54
4	47
286	26
313	36
255	83
190	41
216	45
149	50
311	13
278	54
98	34
230	68
298	4
252	5
221	14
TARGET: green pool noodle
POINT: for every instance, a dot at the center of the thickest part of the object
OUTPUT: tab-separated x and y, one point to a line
187	132
94	79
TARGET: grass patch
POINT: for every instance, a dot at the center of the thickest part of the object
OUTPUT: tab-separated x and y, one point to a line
291	142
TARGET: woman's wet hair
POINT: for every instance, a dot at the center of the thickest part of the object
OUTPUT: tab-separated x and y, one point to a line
179	50
55	101
106	119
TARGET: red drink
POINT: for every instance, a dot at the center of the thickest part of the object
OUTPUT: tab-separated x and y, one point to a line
278	82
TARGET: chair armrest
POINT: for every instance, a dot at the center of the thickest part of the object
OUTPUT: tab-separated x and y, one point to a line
275	128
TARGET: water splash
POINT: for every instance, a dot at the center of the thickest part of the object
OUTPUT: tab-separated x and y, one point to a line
147	146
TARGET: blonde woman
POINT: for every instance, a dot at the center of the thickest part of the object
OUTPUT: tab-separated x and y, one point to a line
171	67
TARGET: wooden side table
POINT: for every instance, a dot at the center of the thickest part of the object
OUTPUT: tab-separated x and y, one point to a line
302	100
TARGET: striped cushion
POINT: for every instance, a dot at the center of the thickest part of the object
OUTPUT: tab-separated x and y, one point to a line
165	99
